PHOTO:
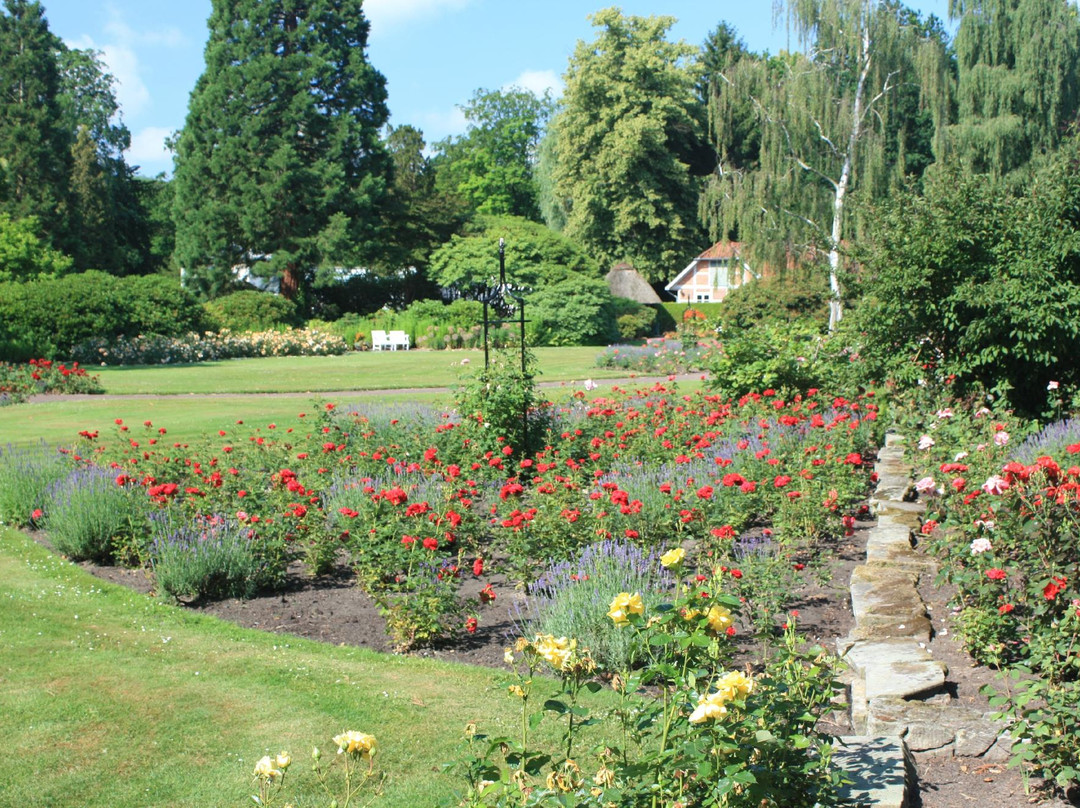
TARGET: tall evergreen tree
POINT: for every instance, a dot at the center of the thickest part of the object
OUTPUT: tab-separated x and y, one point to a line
1018	80
828	120
626	144
280	164
35	155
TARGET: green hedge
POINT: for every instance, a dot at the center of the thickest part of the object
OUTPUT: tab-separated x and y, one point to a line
46	318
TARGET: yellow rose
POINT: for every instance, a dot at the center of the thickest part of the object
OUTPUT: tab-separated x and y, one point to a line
736	685
709	708
356	743
719	618
625	605
283	760
265	770
557	652
673	558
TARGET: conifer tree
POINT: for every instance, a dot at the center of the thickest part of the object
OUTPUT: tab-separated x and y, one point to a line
35	155
280	165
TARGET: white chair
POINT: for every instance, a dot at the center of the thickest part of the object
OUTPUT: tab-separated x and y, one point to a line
399	339
379	341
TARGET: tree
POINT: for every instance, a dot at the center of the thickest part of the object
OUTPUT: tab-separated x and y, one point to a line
35	153
828	120
492	165
1018	80
23	255
280	165
418	218
971	282
535	255
626	143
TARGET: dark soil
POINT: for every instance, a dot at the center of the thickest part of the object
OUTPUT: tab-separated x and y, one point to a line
334	609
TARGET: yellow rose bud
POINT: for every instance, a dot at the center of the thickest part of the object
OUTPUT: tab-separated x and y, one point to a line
264	769
673	558
283	760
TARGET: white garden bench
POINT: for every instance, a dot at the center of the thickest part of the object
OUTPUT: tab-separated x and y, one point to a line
395	340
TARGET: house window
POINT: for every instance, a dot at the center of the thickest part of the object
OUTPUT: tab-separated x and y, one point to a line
703	297
719	273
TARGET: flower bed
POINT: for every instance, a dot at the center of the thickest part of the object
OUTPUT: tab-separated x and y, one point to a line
154	349
1003	519
17	381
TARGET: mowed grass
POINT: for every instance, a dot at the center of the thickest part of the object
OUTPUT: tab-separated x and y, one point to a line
185	418
112	699
369	370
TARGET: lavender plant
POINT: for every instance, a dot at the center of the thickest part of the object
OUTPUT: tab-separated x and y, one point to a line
207	557
25	473
572	597
89	515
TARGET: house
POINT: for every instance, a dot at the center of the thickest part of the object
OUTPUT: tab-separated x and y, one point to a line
714	273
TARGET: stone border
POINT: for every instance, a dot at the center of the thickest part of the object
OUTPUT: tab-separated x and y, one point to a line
898	698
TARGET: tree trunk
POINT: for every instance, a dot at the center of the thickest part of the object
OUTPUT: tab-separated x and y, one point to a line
290	282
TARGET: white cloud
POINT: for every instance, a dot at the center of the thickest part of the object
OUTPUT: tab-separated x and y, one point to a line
148	150
437	125
538	82
389	12
131	91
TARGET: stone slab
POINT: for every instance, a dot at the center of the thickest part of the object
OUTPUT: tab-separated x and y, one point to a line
877	769
886	604
898	668
894	440
931	727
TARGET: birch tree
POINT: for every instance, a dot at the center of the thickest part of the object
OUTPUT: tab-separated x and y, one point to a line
828	125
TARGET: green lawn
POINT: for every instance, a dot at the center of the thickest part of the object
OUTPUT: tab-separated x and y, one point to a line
353	371
112	699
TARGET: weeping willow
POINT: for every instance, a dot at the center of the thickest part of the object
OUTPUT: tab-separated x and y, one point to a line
831	119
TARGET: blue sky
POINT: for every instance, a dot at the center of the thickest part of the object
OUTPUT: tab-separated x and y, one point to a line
434	53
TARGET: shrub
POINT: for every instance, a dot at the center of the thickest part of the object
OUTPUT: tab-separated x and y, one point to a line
89	515
571	598
24	476
208	557
43	376
53	315
769	356
573	312
802	296
249	310
633	320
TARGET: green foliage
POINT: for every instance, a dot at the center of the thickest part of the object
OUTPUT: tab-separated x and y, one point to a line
670	315
799	296
249	310
280	164
632	319
832	121
1018	81
491	166
780	357
53	316
572	312
973	283
535	255
24	256
34	144
500	407
17	381
626	145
